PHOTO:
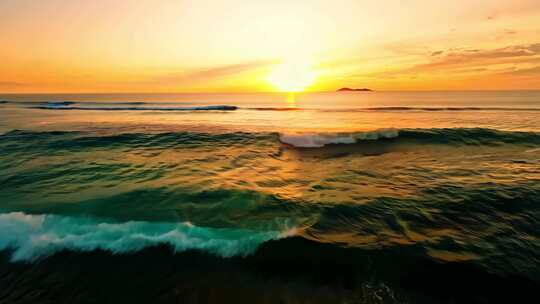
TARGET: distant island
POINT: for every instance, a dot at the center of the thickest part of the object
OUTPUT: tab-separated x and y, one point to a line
354	90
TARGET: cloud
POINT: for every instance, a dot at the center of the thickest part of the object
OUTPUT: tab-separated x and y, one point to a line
470	57
509	60
534	71
468	60
206	74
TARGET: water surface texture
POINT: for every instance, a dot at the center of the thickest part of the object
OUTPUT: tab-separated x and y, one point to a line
385	184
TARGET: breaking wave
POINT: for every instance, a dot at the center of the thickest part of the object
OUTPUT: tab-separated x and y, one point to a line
457	136
321	140
34	236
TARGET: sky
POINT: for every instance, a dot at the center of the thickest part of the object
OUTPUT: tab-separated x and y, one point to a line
54	46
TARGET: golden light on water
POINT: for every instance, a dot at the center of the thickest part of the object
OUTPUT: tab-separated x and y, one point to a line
292	76
291	100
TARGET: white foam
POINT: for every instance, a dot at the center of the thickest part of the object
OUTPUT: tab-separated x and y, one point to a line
34	236
314	140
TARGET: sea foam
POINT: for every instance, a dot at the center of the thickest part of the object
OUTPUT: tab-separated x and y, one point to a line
311	140
34	236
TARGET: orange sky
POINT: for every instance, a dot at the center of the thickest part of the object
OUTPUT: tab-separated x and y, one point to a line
217	46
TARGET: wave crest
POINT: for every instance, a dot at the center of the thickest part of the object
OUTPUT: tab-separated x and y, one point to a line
448	136
34	236
310	140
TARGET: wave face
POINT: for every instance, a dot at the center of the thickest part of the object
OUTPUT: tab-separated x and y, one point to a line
35	236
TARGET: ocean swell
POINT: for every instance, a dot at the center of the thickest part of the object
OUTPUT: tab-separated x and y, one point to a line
68	106
34	236
449	136
441	136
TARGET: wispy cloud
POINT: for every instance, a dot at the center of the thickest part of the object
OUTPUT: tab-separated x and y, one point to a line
470	57
206	74
534	71
465	61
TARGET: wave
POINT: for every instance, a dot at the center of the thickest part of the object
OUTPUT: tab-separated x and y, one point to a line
321	140
90	103
34	236
116	108
469	136
60	103
431	109
393	109
452	136
278	109
119	106
44	103
73	140
440	136
174	106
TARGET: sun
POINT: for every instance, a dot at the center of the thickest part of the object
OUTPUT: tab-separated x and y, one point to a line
292	76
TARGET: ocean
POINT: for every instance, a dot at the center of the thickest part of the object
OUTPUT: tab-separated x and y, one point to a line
351	197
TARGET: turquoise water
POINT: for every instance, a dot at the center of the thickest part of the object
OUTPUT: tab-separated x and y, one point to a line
451	178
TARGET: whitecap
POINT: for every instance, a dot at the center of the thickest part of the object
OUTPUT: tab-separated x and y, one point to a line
34	236
318	140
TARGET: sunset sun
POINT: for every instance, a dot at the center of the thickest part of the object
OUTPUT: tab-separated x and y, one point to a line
292	76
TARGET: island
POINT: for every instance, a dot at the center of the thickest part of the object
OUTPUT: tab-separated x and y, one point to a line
354	90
